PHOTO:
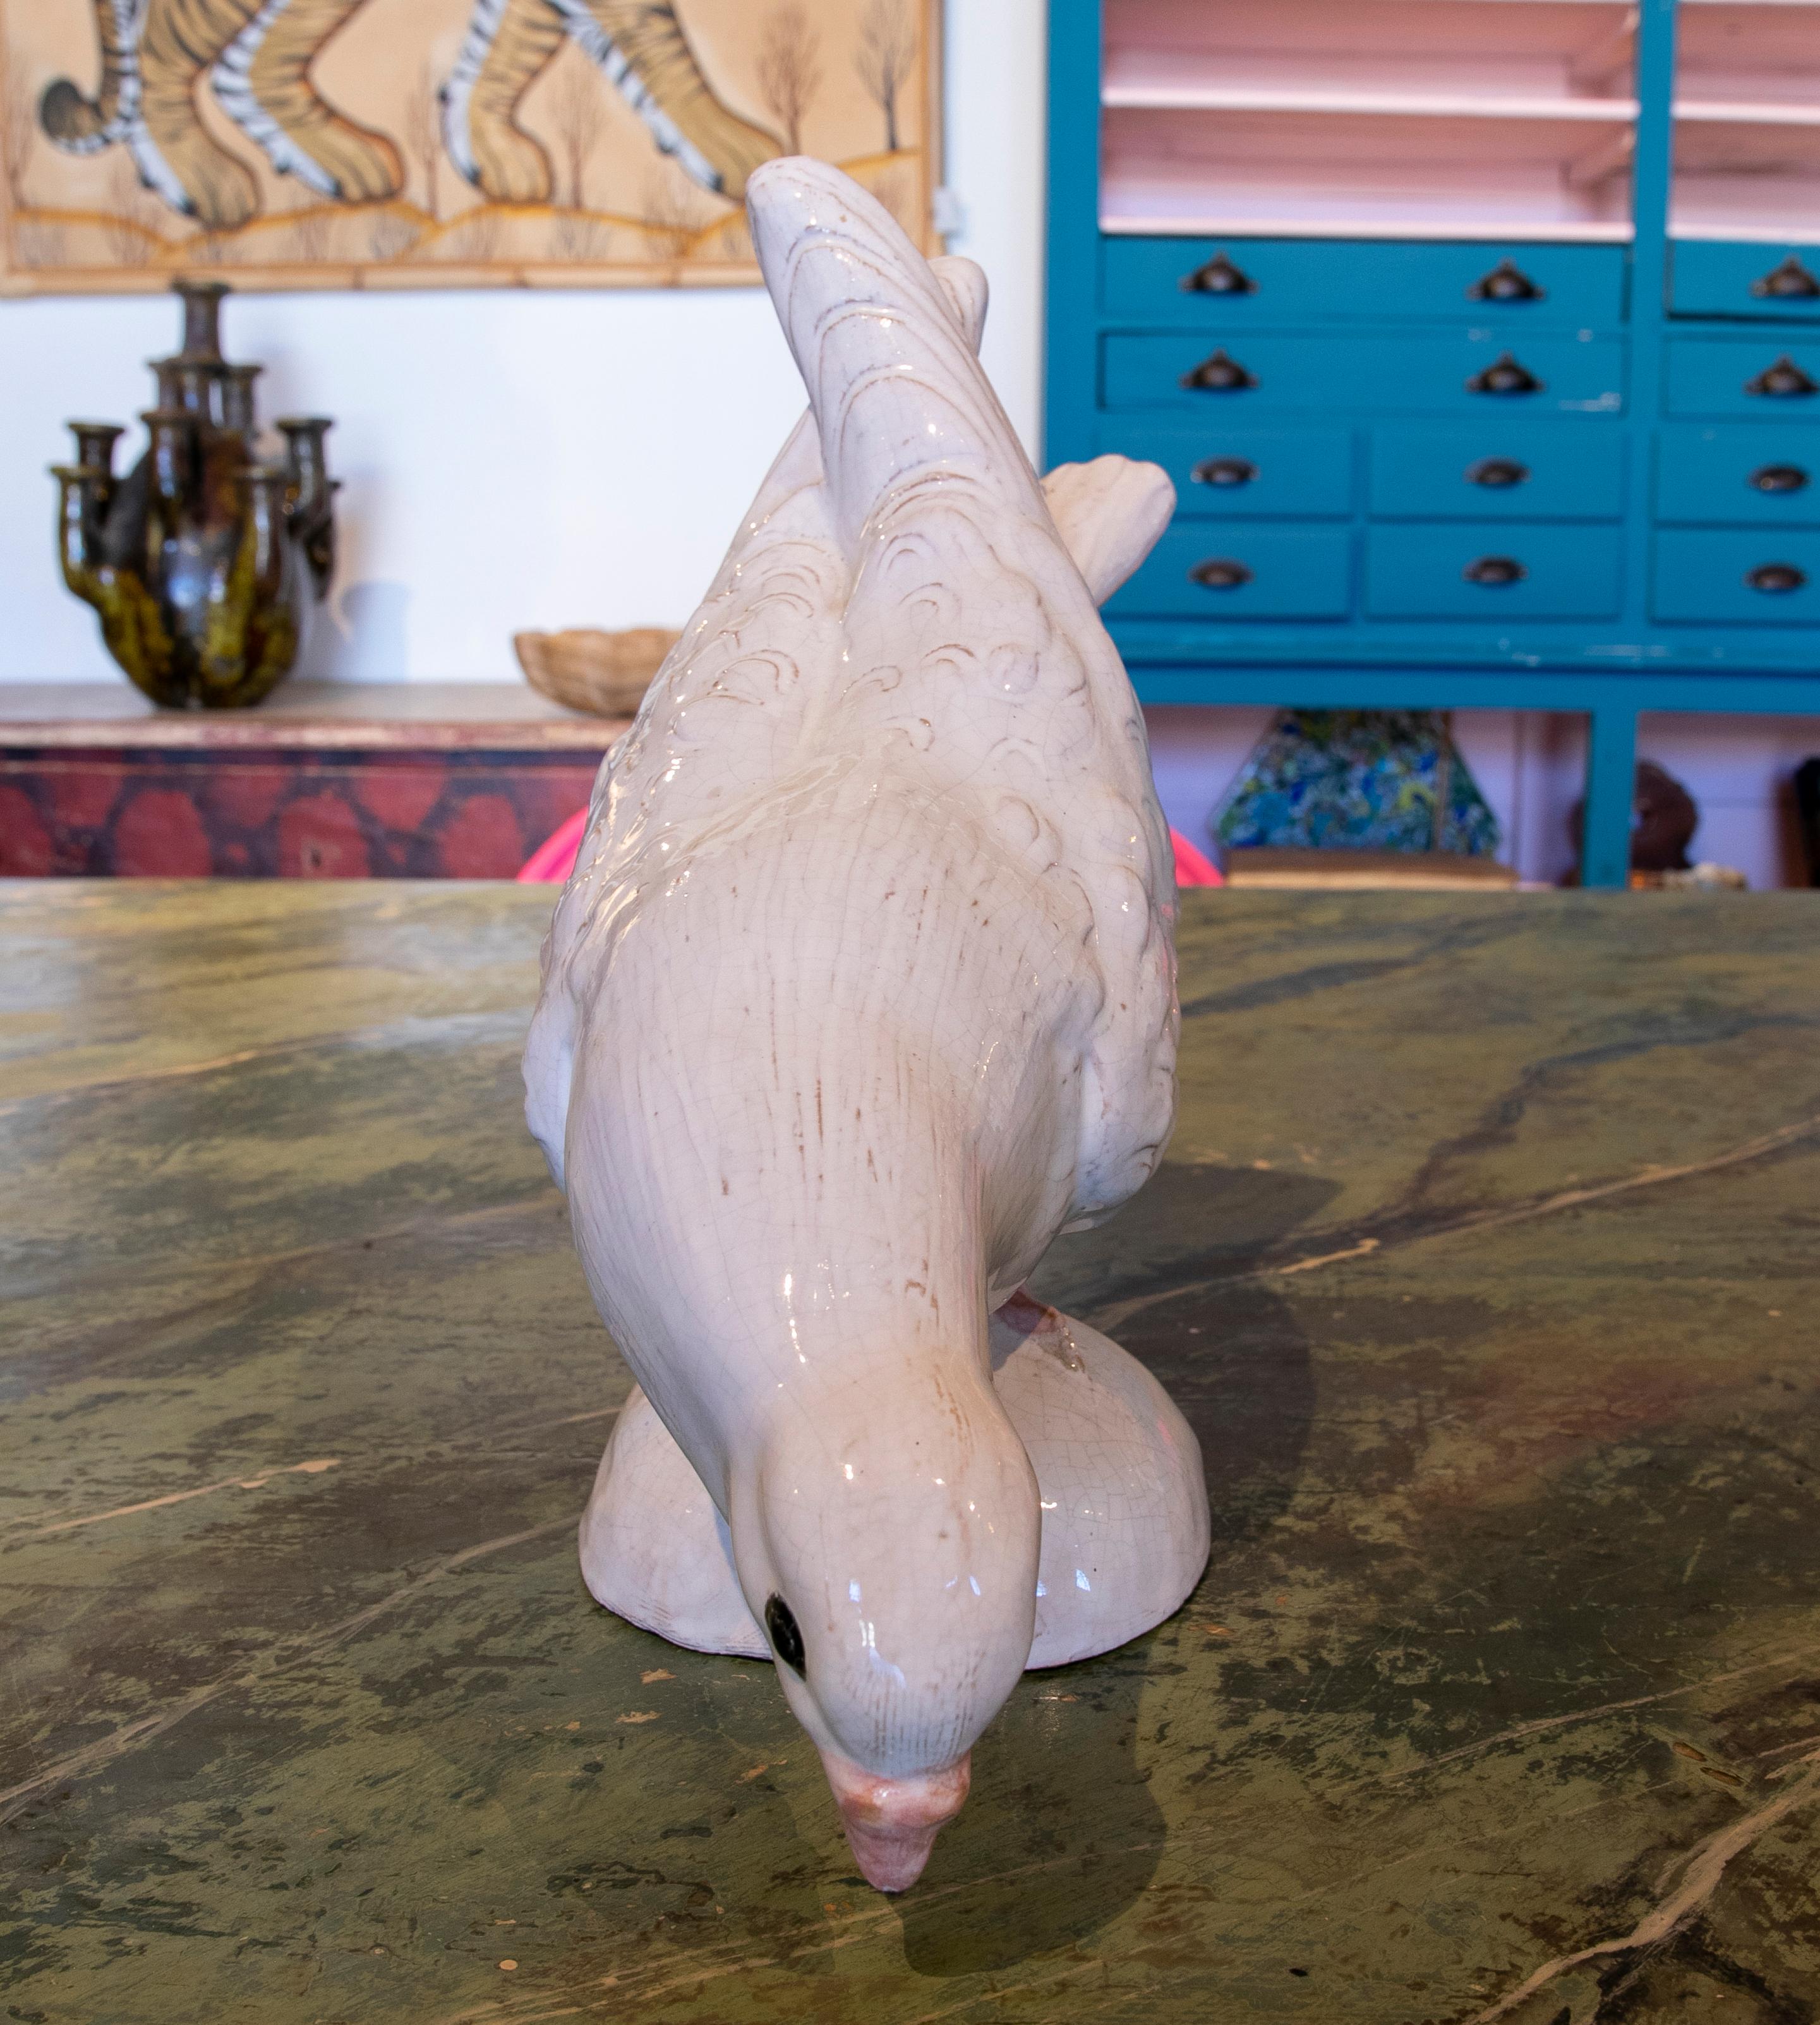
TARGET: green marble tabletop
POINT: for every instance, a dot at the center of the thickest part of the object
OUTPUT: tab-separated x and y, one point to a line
1483	1263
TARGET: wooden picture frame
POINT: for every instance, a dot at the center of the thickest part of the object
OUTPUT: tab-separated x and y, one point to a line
344	144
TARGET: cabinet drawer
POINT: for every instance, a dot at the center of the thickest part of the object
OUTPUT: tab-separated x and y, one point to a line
1506	470
1770	477
1760	376
1273	281
1270	573
1730	577
1453	570
1390	372
1710	279
1243	474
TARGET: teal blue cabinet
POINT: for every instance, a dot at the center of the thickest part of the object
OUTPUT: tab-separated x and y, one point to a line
1571	464
1243	571
1153	281
1732	576
1356	372
1223	473
1752	282
1491	571
1755	378
1729	475
1510	470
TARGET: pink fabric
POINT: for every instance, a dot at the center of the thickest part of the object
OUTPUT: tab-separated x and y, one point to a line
1192	868
554	859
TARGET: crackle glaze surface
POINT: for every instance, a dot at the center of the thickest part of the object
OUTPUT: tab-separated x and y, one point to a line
1481	1262
861	990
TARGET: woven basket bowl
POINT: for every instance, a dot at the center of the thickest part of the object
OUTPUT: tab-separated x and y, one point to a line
604	674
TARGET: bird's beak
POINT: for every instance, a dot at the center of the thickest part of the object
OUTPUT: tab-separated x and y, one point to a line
892	1823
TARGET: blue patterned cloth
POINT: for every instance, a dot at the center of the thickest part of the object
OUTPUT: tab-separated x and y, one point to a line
1359	780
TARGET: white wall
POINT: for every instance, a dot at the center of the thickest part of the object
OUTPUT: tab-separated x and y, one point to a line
513	458
1741	772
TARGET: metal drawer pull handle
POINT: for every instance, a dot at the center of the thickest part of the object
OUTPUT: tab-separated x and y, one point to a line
1504	375
1505	283
1224	471
1219	277
1779	478
1220	374
1775	576
1497	473
1220	573
1790	278
1495	570
1784	378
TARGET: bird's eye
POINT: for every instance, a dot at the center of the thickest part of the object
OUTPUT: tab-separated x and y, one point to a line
786	1639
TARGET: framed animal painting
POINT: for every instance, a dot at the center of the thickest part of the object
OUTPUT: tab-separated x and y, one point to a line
441	143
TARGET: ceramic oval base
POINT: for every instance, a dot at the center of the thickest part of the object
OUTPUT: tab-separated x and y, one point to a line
1125	1534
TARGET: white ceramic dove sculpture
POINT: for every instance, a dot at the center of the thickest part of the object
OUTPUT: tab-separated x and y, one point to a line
862	990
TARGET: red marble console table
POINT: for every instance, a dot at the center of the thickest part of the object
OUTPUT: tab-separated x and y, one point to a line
325	780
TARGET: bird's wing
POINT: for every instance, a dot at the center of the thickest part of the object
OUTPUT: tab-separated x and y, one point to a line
969	638
900	588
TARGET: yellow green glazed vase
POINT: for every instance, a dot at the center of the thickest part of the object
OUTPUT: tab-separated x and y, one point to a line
196	559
